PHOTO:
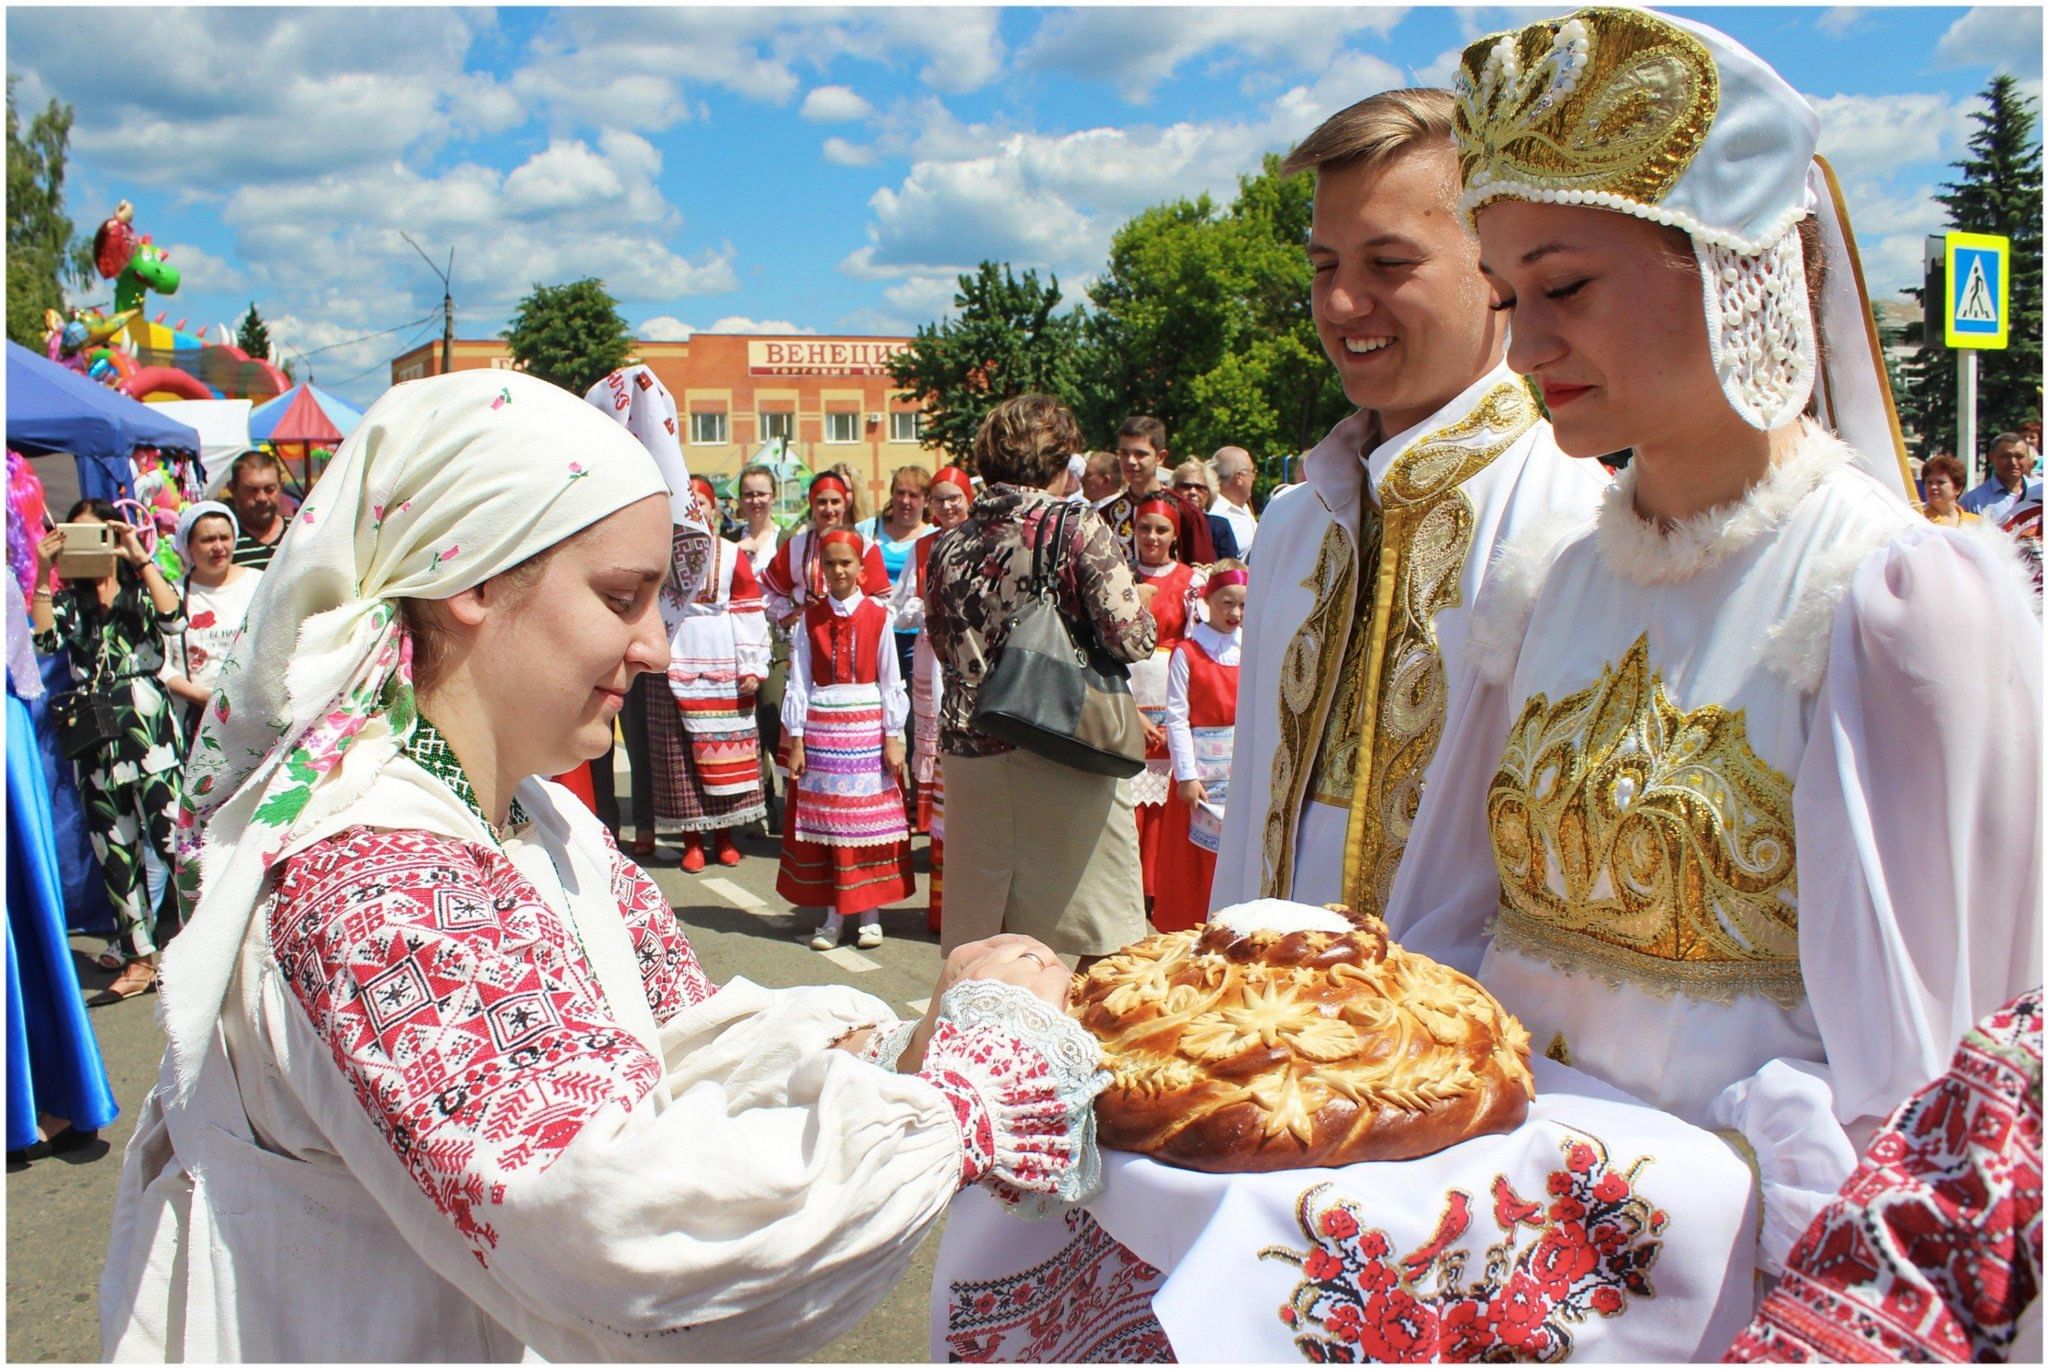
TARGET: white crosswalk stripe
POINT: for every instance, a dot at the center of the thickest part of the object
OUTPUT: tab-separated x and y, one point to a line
736	896
847	958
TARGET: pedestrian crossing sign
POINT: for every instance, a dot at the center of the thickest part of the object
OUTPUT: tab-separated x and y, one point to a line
1979	290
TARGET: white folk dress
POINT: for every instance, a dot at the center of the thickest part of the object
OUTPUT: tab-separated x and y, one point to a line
471	1100
1444	494
1765	821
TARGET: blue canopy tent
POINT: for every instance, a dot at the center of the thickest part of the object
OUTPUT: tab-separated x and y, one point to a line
53	409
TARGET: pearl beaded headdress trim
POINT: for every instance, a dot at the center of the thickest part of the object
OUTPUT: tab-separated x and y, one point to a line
1673	122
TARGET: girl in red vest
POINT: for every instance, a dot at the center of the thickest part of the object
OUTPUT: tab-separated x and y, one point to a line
946	502
1166	578
846	846
1201	712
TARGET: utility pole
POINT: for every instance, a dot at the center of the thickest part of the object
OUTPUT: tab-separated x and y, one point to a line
447	303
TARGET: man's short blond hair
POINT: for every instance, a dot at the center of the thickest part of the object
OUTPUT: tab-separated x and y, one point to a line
1375	130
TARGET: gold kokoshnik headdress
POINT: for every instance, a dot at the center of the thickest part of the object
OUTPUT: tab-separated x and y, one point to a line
1671	121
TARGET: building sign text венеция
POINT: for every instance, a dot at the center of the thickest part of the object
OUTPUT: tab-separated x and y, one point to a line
808	358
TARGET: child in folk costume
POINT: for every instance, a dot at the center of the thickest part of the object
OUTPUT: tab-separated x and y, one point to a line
1201	715
707	765
795	576
845	844
1166	579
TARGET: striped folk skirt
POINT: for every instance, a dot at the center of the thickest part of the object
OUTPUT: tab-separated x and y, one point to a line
697	787
845	843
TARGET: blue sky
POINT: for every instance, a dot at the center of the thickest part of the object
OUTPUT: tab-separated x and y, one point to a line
822	170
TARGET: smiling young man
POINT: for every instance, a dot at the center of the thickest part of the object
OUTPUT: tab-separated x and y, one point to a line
1354	660
1140	448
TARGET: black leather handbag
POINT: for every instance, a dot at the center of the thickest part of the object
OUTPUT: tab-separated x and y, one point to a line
85	721
1051	690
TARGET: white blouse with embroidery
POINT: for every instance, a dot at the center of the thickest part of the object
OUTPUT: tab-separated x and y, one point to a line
470	1100
1764	822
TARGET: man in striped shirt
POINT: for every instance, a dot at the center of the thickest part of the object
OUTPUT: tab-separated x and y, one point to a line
254	484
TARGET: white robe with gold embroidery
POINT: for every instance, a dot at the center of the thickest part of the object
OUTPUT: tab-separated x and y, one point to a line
1278	841
1765	823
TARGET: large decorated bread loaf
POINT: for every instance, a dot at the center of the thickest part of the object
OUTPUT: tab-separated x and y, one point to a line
1280	1036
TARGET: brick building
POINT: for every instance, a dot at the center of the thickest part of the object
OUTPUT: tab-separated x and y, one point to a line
830	396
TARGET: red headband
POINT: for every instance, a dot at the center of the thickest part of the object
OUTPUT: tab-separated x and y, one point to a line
703	487
828	480
953	475
1160	501
1224	579
837	536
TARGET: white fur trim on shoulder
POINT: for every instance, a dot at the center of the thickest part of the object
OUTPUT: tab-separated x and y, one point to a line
1796	646
1643	553
1508	594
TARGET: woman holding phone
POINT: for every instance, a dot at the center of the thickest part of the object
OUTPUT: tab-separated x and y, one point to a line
112	629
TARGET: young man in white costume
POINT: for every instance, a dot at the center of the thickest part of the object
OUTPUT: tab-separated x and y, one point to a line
1355	654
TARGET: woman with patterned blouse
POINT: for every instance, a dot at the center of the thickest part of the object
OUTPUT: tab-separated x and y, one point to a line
111	631
444	1079
1033	846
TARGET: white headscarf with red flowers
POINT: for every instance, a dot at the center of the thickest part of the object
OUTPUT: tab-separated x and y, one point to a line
445	483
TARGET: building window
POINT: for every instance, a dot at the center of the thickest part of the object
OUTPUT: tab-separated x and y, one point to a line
505	364
708	429
782	425
906	427
415	371
842	427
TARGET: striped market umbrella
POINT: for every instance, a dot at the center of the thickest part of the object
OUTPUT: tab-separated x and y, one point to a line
305	417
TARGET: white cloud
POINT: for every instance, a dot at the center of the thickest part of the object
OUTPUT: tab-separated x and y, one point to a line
1993	36
1052	201
840	152
1442	69
834	105
740	323
1137	49
1839	20
664	328
199	269
1874	135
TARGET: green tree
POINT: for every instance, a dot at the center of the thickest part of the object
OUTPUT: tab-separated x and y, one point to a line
571	335
1201	318
1004	339
252	336
42	246
1998	191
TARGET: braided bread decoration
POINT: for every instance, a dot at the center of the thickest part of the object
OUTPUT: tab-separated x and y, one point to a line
1279	1036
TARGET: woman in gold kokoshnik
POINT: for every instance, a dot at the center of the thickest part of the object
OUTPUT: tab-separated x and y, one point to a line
1751	788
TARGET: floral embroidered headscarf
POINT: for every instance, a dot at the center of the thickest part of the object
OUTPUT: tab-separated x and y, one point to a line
445	483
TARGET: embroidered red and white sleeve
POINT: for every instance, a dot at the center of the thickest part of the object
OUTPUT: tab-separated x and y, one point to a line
1933	1248
459	1008
1021	1077
668	966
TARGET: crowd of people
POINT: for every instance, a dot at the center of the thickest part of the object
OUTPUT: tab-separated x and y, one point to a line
1687	764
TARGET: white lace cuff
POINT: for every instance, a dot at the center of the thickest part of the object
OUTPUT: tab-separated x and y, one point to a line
1022	1078
886	1046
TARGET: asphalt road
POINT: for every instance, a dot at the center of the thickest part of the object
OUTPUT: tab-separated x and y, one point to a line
58	1209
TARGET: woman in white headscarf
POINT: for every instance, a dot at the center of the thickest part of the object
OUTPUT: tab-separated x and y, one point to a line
1747	786
444	1080
216	598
